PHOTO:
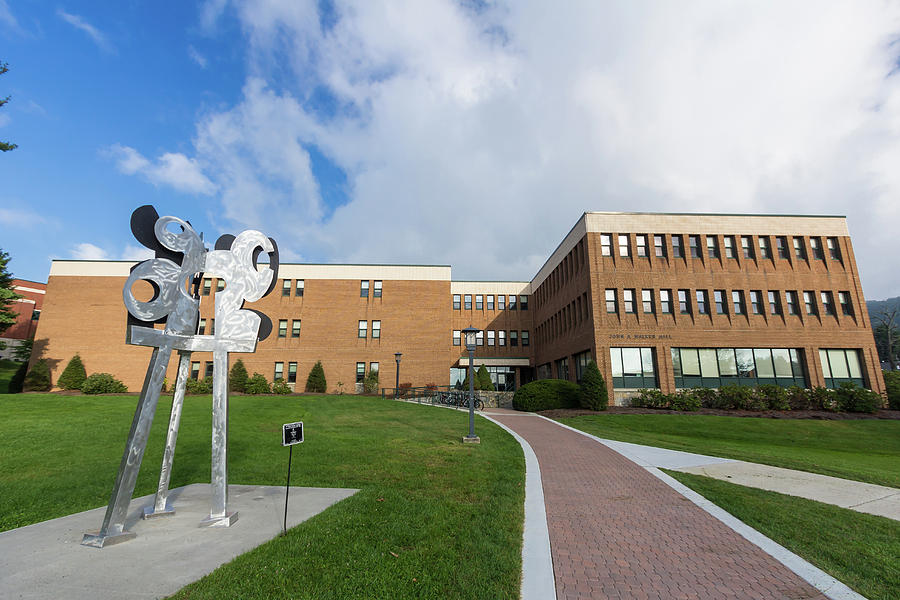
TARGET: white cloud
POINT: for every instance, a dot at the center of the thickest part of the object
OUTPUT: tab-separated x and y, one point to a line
20	218
7	18
98	37
132	252
198	58
172	169
502	123
88	251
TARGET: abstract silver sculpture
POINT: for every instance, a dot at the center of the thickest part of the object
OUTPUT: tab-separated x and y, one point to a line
176	302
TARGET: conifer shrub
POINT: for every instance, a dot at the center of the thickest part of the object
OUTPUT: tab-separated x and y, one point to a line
370	383
547	394
483	380
281	388
38	378
237	379
16	381
772	397
593	394
892	383
258	385
73	375
102	383
316	380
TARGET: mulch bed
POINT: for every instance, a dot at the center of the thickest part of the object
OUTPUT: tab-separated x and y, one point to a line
764	414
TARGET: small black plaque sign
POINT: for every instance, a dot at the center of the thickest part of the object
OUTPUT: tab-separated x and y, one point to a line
292	433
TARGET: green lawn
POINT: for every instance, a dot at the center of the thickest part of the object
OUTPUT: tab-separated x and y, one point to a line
425	497
8	368
862	551
863	450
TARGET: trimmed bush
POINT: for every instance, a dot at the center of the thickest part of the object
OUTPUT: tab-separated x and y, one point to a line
73	375
370	382
774	397
102	383
199	386
258	385
15	383
483	380
684	400
316	380
593	394
546	394
650	399
822	399
798	398
710	398
852	398
38	378
237	379
281	388
892	383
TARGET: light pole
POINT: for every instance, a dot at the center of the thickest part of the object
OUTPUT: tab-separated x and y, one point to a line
397	356
470	333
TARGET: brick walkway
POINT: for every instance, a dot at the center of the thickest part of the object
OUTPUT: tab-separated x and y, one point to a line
618	532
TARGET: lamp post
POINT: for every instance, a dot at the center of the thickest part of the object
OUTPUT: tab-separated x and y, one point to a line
470	333
397	356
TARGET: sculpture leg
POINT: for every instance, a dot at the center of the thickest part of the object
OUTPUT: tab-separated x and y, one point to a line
218	506
113	528
161	506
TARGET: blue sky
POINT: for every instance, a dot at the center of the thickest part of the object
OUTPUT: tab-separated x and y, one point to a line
398	132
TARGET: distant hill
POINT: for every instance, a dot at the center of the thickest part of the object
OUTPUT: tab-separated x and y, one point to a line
877	306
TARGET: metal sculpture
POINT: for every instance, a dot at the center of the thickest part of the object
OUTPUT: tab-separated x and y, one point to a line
175	275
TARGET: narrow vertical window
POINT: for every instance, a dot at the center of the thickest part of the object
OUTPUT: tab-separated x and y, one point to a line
501	338
526	341
815	245
756	301
376	329
212	327
207	286
512	302
286	287
712	246
195	370
628	300
282	328
279	371
360	372
702	303
467	301
827	303
523	302
747	246
719	298
363	329
647	301
513	337
490	302
809	300
456	301
611	302
846	306
791	298
201	329
781	245
363	289
799	248
479	302
641	245
501	302
292	372
684	304
729	247
295	328
677	247
659	246
605	244
624	247
220	285
774	304
737	300
376	290
490	337
834	251
479	338
298	289
665	301
765	250
208	369
456	337
694	241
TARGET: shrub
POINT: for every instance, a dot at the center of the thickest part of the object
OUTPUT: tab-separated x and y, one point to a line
710	398
237	379
851	398
483	380
258	385
798	398
892	384
546	394
822	399
316	380
593	394
281	388
199	386
15	383
774	397
102	383
684	400
38	378
650	399
73	375
370	383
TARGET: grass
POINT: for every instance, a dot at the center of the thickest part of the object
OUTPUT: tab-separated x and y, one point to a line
427	503
8	368
862	551
863	450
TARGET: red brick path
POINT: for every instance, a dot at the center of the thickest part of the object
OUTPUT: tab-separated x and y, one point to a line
618	532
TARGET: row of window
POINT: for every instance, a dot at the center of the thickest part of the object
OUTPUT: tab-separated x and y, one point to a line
499	339
566	318
364	329
715	367
483	302
503	378
571	264
723	303
364	289
298	286
283	328
697	246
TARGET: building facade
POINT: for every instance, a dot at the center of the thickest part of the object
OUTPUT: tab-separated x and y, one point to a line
661	301
28	310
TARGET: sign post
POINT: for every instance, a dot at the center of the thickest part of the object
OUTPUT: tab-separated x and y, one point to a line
291	433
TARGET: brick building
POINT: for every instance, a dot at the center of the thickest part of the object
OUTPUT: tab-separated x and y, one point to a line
658	300
28	310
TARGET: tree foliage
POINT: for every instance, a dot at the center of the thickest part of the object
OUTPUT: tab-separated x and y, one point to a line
73	375
38	378
102	383
258	385
7	294
887	334
5	146
316	380
22	351
593	388
483	380
237	379
15	384
370	383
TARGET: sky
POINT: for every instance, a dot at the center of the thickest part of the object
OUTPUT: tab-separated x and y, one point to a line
470	133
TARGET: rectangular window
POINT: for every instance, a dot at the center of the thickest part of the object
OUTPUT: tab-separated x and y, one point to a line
298	289
501	302
457	334
647	301
376	330
840	365
765	250
628	300
612	305
715	367
632	368
684	303
208	369
756	302
799	248
827	303
791	298
490	302
712	246
729	247
376	290
286	287
220	285
212	327
846	305
373	367
279	371
207	286
513	337
195	370
721	307
201	329
834	251
774	303
694	241
665	301
624	247
781	244
479	302
702	302
467	301
747	246
810	300
815	245
512	302
292	372
456	301
526	338
363	289
360	372
282	328
523	302
479	338
677	247
363	329
737	300
501	338
605	244
641	245
490	338
659	246
295	328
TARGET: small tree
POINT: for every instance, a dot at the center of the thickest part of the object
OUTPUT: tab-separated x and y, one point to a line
483	380
370	383
38	378
258	385
102	383
281	387
593	388
22	352
237	379
15	384
316	380
7	294
73	375
5	146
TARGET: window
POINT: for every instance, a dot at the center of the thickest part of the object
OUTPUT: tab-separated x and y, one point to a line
363	289
207	286
756	301
605	244
846	306
298	289
628	300
195	370
220	285
765	250
719	298
677	247
715	367
456	337
647	301
373	367
747	246
456	299
665	301
632	368
737	300
791	299
490	302
513	337
363	329
490	338
624	248
562	368
702	302
781	244
810	300
815	245
501	338
208	369
292	372
729	247
523	302
526	341
834	251
286	287
774	303
512	302
712	246
659	246
827	303
376	330
641	245
479	338
799	248
501	302
360	372
611	302
295	328
212	327
694	241
840	365
201	329
279	371
684	304
467	301
282	328
479	302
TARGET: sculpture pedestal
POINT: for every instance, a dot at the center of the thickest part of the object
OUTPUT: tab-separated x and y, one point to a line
226	520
